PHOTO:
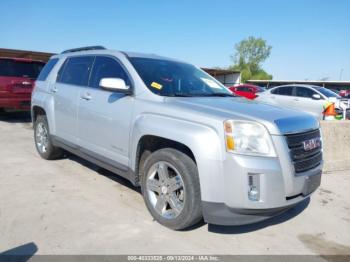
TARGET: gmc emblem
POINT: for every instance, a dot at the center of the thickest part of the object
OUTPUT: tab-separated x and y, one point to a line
312	144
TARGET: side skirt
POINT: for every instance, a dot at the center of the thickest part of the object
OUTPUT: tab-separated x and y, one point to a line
96	159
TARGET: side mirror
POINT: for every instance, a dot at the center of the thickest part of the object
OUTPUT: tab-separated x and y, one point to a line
316	97
115	85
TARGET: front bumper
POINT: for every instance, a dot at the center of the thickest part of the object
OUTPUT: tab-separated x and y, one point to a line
220	214
280	188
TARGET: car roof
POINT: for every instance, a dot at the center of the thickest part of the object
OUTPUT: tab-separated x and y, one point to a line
111	52
28	60
299	85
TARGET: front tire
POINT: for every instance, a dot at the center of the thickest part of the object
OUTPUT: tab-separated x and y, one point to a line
171	190
43	141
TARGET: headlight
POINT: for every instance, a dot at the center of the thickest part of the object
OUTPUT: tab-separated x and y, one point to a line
248	138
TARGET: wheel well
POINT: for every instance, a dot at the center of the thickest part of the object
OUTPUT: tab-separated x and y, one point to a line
149	144
37	110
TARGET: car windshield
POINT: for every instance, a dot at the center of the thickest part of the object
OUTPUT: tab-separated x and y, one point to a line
170	78
328	93
260	89
17	68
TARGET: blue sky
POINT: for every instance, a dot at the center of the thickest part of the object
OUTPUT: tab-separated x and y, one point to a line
310	38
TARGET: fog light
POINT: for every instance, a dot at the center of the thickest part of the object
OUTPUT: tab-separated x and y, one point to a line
254	187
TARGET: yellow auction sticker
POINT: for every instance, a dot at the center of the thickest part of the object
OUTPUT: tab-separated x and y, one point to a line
156	85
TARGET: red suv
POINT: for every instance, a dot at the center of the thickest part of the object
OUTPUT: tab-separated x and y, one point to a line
17	76
246	90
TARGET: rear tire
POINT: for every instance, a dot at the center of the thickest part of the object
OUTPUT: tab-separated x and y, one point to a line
171	190
43	141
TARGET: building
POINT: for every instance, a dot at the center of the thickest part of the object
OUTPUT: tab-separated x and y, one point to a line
336	85
227	77
25	54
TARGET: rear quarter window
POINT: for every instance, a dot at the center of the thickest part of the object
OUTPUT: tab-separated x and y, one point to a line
47	69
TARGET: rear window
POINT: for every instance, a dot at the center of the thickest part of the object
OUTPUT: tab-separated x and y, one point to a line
47	69
17	68
284	90
76	70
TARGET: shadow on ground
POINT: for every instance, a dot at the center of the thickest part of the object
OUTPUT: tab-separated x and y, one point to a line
290	214
15	117
19	254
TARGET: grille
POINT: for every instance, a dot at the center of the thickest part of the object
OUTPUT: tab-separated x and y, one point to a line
304	160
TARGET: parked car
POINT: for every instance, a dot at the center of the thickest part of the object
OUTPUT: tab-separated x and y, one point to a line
169	127
247	91
307	98
345	93
17	76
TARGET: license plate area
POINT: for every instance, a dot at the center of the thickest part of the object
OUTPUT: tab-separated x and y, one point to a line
311	184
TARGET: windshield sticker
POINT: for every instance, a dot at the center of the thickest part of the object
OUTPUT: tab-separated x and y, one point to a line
156	85
210	83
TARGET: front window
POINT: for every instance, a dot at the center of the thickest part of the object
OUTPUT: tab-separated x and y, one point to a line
18	68
328	93
170	78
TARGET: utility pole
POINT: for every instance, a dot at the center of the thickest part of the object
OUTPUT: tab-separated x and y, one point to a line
341	74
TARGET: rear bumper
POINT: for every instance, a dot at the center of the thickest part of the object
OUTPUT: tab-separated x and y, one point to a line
22	103
220	214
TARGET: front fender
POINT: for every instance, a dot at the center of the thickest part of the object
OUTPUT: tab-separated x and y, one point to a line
204	142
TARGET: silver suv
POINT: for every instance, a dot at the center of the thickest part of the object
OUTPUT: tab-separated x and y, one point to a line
167	126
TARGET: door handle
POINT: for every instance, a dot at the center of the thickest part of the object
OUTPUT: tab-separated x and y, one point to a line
296	99
54	90
86	96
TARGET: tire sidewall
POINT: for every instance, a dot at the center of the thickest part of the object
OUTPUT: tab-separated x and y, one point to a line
189	174
48	153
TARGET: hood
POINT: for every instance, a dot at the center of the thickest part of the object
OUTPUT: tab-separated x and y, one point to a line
278	120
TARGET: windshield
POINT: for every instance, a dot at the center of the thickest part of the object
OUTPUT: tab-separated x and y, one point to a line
328	93
260	89
169	78
10	67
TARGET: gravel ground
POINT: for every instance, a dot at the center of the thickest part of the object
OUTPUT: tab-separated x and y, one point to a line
70	206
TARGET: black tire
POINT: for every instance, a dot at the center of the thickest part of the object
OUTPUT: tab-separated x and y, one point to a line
191	212
51	151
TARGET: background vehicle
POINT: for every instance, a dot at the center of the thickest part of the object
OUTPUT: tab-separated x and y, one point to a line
345	93
167	126
17	76
247	91
308	98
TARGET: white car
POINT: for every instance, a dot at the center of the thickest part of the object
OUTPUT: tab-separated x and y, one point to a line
307	98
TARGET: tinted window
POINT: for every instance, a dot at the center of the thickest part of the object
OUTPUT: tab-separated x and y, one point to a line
304	92
328	93
47	69
76	71
285	91
19	68
107	67
244	89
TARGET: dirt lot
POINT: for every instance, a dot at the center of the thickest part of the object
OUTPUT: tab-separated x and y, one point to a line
72	207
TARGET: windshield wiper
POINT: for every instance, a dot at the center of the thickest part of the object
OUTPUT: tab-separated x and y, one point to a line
180	95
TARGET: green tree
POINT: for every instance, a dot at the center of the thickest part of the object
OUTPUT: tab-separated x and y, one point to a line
249	55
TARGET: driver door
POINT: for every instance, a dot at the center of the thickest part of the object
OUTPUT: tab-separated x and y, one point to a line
104	116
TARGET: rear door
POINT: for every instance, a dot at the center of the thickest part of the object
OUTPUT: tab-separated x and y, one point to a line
72	77
304	101
105	116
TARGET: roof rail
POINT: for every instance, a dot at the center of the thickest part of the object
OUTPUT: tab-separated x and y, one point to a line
86	48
